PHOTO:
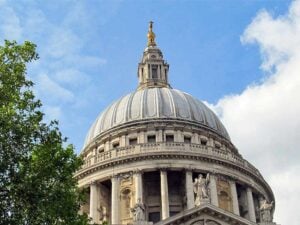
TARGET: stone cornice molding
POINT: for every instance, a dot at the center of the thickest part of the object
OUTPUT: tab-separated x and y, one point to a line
93	182
189	169
125	175
192	215
115	176
137	172
163	168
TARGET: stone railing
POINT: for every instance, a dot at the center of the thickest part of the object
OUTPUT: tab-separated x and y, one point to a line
168	147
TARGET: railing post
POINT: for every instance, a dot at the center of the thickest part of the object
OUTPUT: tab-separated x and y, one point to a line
113	153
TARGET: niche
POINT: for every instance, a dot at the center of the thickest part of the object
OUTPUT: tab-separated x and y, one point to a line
224	195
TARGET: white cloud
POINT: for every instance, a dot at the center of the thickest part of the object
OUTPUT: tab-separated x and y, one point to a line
264	120
10	23
63	42
65	63
52	89
71	76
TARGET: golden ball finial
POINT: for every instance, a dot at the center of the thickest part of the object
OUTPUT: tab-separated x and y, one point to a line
151	35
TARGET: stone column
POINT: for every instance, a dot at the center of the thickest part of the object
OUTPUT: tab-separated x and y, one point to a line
213	190
190	201
250	202
115	200
235	202
94	201
164	194
138	186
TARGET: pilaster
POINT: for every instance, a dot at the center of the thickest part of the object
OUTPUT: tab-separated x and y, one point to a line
213	190
190	202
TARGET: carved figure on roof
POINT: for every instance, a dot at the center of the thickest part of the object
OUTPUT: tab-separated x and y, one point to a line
201	188
138	211
266	211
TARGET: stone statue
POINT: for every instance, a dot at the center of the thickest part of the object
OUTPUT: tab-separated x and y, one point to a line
265	211
201	188
102	212
138	211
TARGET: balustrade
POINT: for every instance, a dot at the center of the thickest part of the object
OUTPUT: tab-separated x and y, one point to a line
171	147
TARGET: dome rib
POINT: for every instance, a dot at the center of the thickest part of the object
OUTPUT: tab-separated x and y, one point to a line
155	103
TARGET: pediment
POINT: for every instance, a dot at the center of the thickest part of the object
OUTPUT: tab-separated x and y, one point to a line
206	214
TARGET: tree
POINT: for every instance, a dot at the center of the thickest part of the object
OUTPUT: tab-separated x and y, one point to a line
36	170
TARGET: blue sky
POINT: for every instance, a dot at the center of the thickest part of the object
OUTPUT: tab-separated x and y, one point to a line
89	50
240	56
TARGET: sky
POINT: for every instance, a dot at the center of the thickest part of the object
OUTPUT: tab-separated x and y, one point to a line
241	57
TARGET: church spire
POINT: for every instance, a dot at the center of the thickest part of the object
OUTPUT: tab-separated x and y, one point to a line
153	69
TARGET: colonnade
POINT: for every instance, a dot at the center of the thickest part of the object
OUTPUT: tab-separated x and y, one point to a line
165	212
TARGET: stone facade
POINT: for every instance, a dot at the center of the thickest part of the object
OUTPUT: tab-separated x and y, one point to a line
168	169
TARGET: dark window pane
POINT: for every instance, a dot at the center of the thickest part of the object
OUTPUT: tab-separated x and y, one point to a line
187	139
169	138
133	141
151	139
116	145
154	217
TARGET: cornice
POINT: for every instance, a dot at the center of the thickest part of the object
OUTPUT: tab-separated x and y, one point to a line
208	209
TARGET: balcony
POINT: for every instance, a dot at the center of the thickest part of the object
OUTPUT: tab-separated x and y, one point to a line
171	148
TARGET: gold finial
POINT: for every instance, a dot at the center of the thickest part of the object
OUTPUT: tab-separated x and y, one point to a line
151	35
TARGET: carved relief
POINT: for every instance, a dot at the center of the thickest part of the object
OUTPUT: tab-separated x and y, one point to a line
126	203
126	197
224	194
212	222
198	222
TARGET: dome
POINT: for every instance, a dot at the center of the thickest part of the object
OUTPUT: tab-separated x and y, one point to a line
153	104
160	156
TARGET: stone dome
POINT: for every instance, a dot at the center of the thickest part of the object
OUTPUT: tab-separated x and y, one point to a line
147	154
153	104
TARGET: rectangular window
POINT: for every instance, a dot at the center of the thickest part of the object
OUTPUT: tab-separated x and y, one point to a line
169	138
132	141
203	142
154	72
154	217
101	150
116	145
151	139
187	139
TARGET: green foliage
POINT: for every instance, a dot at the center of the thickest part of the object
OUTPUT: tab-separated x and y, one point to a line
36	170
